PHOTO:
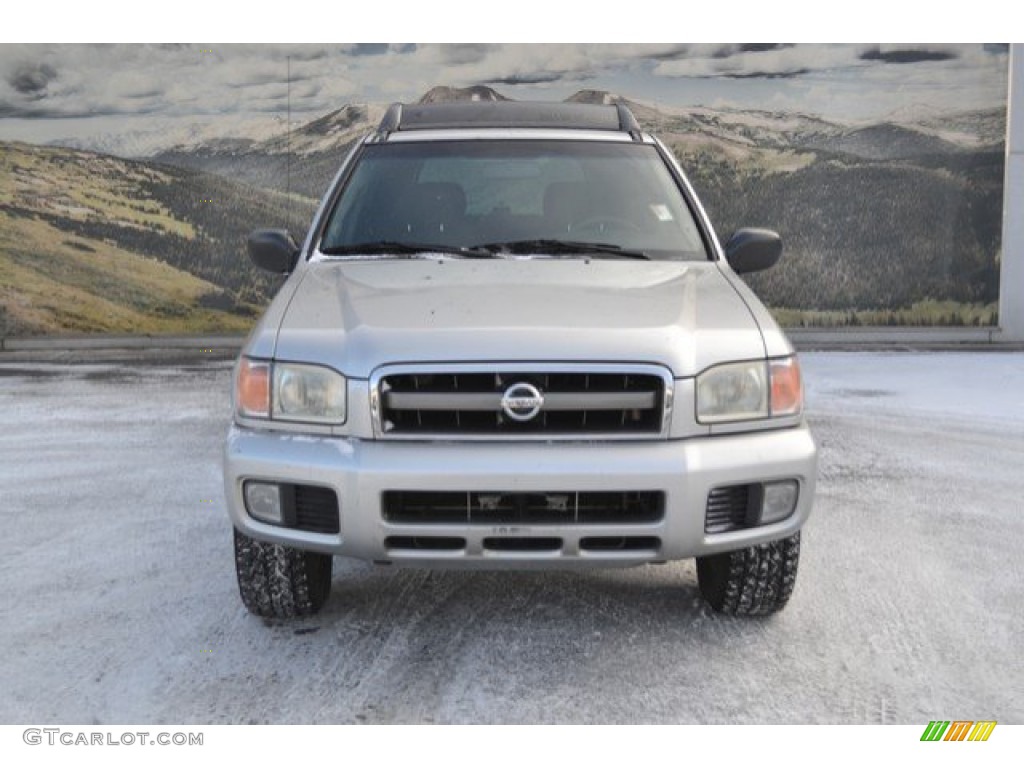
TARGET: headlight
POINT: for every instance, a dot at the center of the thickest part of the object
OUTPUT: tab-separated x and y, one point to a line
304	393
750	390
308	393
732	392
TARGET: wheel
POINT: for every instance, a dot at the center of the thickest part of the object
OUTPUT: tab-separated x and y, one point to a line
280	582
602	224
754	581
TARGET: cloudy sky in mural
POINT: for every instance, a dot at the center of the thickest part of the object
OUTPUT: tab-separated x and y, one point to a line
42	85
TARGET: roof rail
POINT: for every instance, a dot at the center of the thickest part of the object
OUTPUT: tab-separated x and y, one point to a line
627	122
507	114
391	120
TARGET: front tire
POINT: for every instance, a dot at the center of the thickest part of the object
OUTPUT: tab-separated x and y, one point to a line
755	581
280	582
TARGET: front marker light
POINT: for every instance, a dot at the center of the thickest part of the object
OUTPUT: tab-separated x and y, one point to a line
252	388
787	387
308	393
732	392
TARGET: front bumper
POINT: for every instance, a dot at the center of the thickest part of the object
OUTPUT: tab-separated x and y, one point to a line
360	471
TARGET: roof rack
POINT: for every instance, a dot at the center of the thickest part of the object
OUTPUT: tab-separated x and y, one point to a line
508	114
627	122
391	120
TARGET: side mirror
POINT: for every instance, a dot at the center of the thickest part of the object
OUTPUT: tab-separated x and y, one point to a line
273	250
751	250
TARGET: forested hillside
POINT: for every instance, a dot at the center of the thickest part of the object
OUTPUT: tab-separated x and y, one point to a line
867	235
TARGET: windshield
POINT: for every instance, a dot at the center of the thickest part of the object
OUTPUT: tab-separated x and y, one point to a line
521	196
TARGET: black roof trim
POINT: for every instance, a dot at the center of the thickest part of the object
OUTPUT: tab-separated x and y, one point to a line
508	114
627	122
391	120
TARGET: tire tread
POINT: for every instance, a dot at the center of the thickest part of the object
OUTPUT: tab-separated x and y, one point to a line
280	582
755	581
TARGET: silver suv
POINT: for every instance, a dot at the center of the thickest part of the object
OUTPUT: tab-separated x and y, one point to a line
511	339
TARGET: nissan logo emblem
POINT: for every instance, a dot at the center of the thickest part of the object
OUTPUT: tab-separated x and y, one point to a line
522	401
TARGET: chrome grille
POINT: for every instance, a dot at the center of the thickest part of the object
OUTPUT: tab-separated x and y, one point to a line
523	402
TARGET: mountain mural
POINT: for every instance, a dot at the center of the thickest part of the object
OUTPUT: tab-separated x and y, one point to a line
95	243
897	221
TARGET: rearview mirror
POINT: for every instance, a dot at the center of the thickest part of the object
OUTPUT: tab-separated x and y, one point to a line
273	250
752	250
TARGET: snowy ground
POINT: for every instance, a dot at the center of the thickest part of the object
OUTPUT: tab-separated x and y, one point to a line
119	602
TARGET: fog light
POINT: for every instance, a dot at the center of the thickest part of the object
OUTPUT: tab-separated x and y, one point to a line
263	502
779	500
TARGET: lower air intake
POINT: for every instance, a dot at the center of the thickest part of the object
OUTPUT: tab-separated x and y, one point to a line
535	508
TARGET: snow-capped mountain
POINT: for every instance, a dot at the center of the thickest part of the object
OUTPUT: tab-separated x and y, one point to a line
472	93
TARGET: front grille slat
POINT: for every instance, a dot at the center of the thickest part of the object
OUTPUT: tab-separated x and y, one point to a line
491	401
442	401
534	508
437	543
619	543
731	507
522	544
316	509
470	403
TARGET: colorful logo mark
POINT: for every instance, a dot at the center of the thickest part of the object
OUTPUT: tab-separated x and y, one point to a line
958	730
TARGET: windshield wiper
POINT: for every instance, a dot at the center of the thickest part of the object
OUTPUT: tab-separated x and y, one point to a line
550	247
397	248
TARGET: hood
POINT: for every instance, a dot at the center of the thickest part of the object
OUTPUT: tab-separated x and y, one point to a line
358	315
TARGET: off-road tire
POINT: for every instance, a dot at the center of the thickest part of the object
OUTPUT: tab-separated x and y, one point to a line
280	582
755	581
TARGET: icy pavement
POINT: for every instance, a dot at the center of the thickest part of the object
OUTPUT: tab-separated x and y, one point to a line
119	600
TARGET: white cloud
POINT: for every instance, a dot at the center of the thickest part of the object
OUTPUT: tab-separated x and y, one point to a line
209	79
